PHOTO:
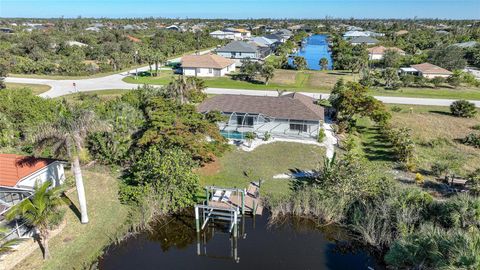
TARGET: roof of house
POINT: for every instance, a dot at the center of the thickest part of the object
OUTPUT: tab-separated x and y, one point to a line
206	61
273	37
14	168
218	32
367	40
291	106
355	34
468	44
263	40
382	50
238	46
427	68
133	39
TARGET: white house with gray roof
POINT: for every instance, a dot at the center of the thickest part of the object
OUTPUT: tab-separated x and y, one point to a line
239	51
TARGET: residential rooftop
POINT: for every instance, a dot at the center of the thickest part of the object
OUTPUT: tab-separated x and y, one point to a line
206	61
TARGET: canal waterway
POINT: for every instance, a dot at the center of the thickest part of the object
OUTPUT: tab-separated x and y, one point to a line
313	49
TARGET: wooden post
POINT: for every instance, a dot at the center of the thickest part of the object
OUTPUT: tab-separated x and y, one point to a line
243	201
197	219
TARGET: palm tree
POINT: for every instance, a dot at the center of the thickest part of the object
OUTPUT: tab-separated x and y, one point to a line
7	246
40	211
300	62
267	72
67	136
186	89
158	59
324	63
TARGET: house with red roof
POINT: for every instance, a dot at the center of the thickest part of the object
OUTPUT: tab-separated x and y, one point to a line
19	175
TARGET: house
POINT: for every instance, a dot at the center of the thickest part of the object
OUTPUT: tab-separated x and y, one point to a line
465	45
93	29
289	116
363	40
275	38
134	39
6	30
354	34
426	70
173	28
19	175
207	65
224	35
401	32
263	41
75	43
285	33
376	53
239	50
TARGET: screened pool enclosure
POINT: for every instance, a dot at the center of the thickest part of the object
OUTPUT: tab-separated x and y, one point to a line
238	124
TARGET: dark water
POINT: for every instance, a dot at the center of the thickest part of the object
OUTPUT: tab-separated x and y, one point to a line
314	49
290	244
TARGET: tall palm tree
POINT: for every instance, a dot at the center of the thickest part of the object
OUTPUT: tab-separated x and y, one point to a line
67	136
324	63
267	72
186	89
158	58
40	211
7	246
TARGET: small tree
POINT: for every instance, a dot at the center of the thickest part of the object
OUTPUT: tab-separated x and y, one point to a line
321	135
390	75
463	108
437	81
7	246
324	63
40	211
267	72
249	137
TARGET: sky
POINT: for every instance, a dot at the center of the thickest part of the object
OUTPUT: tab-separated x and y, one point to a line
451	9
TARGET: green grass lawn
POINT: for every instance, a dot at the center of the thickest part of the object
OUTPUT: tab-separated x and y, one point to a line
316	82
78	244
237	168
37	89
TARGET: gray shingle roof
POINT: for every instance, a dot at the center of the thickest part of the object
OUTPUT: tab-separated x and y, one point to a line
367	40
292	106
238	46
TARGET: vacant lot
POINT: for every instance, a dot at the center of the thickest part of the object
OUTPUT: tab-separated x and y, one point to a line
436	134
37	89
237	168
78	243
102	94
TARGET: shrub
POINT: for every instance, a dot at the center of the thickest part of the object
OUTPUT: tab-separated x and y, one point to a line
419	179
474	182
476	127
463	108
472	139
321	135
438	169
267	136
396	109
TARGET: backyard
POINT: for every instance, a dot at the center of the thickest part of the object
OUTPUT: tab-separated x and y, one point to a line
237	168
316	82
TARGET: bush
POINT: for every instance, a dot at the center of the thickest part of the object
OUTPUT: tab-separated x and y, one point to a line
438	169
267	136
472	139
476	127
321	135
419	179
463	108
396	108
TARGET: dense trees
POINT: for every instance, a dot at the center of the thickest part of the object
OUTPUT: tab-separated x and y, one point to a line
449	57
349	57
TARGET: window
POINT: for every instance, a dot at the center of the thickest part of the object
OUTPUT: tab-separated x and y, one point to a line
210	70
298	127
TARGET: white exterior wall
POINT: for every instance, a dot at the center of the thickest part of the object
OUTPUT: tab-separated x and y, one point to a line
223	36
375	56
53	171
208	72
432	75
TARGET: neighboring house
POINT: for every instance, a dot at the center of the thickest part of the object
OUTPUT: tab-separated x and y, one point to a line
239	50
173	28
76	43
426	70
355	34
6	30
207	65
19	175
363	40
275	38
285	33
134	39
289	116
93	29
224	35
376	53
263	41
401	32
464	45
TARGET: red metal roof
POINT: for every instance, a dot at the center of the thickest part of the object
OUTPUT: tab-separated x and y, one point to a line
14	168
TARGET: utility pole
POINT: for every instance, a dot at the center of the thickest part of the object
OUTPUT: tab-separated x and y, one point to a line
135	56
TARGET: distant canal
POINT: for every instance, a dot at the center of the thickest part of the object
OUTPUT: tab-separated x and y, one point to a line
313	49
292	244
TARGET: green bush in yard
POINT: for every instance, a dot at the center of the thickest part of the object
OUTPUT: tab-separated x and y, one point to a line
472	139
463	108
321	135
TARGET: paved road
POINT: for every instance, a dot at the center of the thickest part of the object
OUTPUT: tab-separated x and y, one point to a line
65	87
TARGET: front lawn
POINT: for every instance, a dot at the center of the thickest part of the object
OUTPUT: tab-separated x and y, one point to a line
237	168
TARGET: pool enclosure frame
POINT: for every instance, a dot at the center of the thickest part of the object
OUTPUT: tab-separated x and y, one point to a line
260	124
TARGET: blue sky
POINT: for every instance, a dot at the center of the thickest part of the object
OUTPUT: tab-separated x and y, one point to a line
455	9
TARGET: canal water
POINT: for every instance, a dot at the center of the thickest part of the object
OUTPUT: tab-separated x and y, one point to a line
313	49
291	243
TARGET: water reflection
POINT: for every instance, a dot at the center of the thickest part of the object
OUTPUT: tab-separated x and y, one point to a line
290	243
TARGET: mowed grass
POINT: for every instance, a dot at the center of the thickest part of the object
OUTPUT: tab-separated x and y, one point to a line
237	168
78	245
437	135
37	89
462	92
